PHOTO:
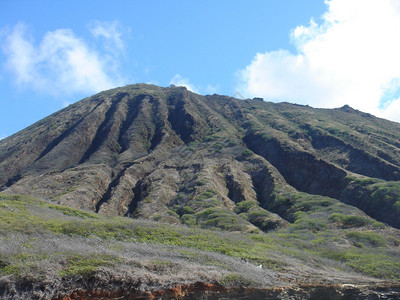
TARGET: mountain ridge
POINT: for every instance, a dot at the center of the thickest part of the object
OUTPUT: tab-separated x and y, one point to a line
125	135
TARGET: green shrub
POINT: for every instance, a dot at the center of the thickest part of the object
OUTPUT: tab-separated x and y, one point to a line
367	237
244	206
187	210
188	219
205	195
73	212
246	153
172	213
218	145
307	224
86	266
349	221
307	203
236	280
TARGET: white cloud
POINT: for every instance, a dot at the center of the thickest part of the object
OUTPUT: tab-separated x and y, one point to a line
178	80
60	63
111	32
392	112
352	58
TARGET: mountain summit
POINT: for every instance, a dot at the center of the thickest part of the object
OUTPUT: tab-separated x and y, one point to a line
173	156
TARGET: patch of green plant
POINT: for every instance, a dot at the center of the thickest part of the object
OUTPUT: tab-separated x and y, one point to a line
17	202
367	237
210	138
206	203
205	195
377	265
257	212
244	206
161	263
189	219
374	264
246	152
86	266
349	220
182	210
364	181
306	238
218	146
313	225
10	269
173	214
187	210
236	280
221	218
73	212
201	182
307	203
20	262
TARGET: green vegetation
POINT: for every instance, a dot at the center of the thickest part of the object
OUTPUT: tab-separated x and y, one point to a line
244	206
309	236
74	212
86	266
236	280
349	221
221	218
367	237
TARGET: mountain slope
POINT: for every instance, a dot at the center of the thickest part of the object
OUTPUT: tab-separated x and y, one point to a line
174	156
280	198
49	251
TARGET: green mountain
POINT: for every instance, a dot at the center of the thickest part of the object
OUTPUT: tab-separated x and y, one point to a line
217	186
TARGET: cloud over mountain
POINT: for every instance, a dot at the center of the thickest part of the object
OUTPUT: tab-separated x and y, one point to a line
351	57
63	62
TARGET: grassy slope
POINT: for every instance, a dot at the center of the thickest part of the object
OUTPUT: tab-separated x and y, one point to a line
41	241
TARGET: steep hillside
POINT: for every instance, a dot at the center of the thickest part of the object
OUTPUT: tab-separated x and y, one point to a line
247	197
173	156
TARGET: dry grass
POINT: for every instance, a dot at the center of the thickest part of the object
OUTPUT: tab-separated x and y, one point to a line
47	249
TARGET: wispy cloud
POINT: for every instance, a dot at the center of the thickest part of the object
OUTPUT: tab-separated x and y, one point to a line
178	80
61	62
352	57
111	32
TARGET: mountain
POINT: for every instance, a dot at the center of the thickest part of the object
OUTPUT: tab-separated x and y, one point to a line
321	181
156	153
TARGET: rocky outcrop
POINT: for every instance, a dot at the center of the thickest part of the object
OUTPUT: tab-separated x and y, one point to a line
214	292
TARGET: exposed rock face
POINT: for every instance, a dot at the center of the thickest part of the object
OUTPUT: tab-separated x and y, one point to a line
216	292
209	291
164	153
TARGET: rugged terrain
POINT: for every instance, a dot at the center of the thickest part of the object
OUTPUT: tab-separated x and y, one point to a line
313	193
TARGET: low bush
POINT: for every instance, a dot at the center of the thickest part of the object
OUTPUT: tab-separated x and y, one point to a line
244	206
236	280
86	266
367	237
350	220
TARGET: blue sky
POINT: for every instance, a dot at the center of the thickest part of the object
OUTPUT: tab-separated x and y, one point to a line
321	53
